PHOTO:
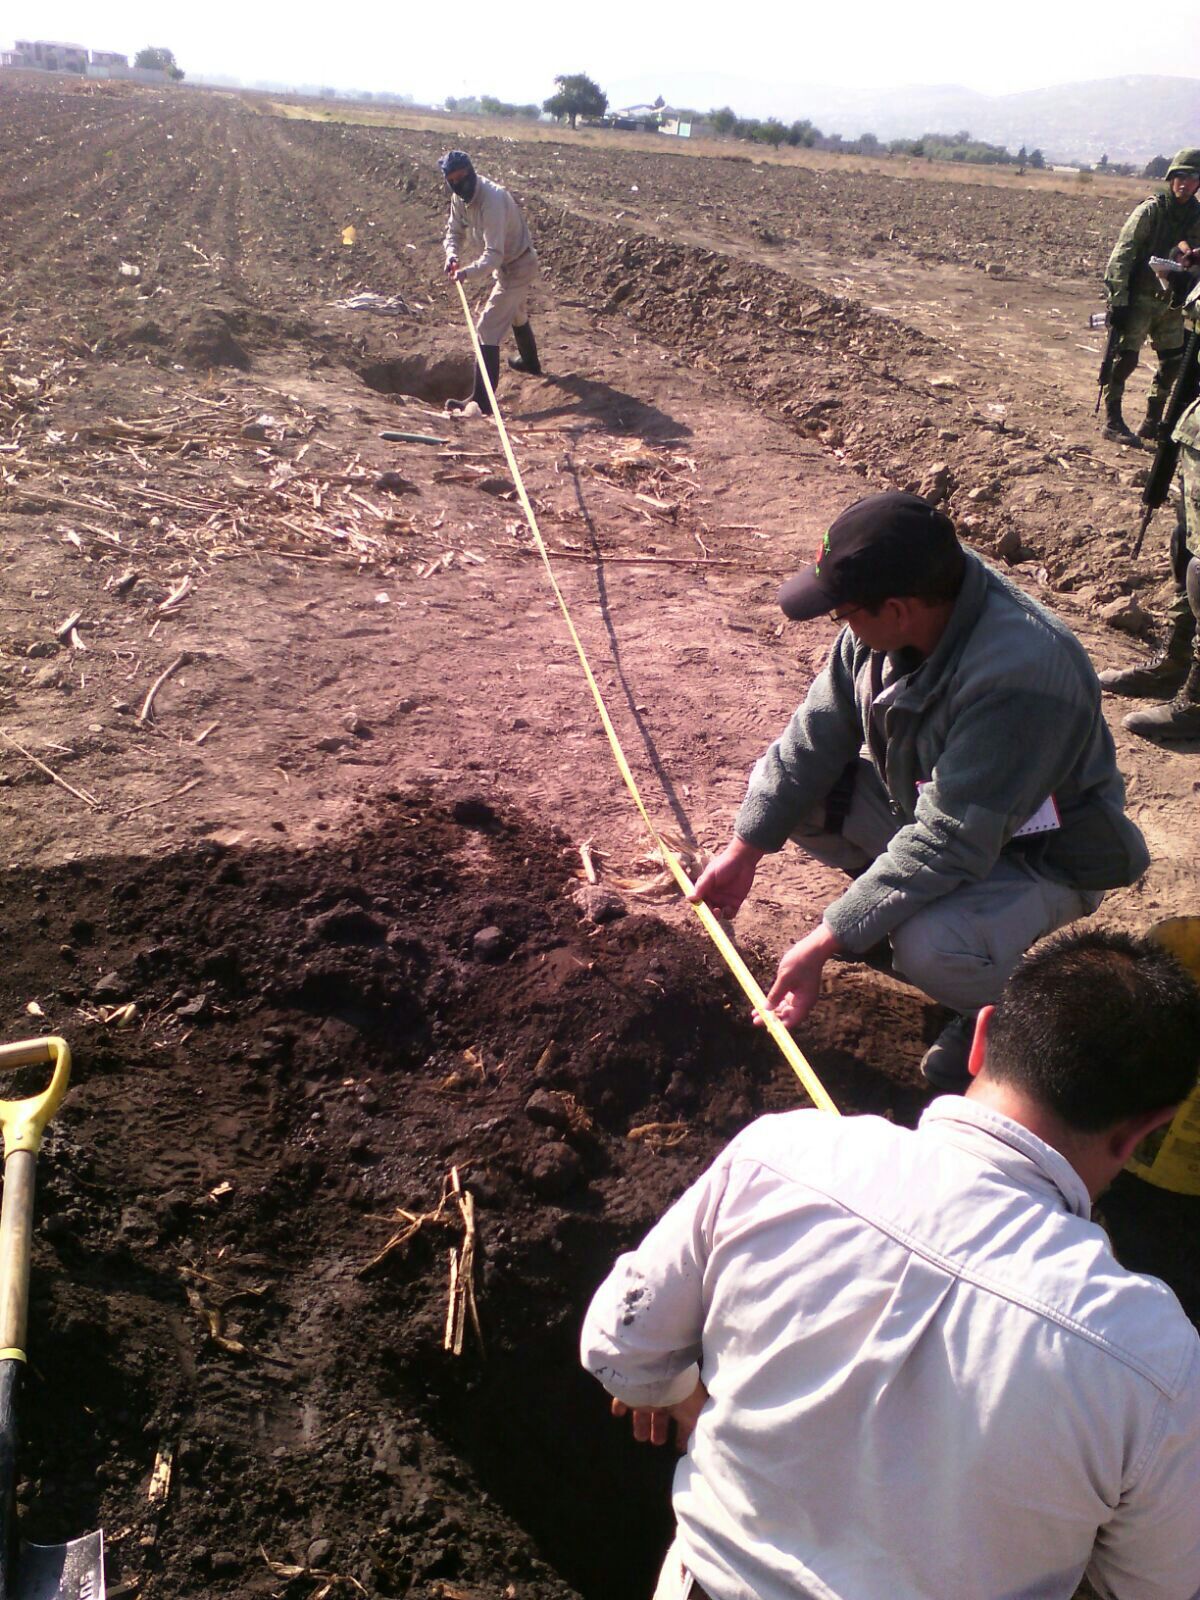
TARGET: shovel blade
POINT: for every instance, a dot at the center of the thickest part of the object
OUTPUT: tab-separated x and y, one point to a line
72	1571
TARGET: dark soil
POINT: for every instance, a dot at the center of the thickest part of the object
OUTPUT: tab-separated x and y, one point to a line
321	1037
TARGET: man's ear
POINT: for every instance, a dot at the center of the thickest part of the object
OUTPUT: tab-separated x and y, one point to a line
1124	1139
979	1041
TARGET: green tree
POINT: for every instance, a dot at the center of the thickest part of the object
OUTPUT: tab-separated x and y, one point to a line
158	59
724	119
577	96
492	107
1156	168
771	132
1037	160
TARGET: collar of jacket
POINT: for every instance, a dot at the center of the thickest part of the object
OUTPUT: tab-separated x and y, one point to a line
928	679
1010	1146
1182	212
473	202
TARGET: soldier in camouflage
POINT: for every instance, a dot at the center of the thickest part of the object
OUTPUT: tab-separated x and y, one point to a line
1177	670
1138	308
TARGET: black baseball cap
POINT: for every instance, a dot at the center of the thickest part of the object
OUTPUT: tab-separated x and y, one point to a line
879	548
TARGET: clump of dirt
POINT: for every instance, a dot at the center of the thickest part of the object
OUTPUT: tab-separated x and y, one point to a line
207	340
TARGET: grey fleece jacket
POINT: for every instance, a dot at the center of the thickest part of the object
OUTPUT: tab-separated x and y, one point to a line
494	218
1003	714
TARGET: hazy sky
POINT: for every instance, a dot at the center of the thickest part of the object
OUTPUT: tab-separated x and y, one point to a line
514	51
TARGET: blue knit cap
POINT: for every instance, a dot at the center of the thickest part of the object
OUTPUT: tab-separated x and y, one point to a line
453	159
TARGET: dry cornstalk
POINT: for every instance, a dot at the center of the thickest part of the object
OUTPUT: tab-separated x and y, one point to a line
147	805
148	703
588	856
468	1262
160	1478
648	561
659	1135
462	1272
176	595
328	1580
414	1222
80	794
455	1309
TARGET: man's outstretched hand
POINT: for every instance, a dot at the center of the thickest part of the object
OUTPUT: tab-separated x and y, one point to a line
452	268
726	880
652	1424
797	986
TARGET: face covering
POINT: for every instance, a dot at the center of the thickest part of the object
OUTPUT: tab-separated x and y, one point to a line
463	185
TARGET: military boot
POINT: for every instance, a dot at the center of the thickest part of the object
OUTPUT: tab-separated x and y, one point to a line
1153	417
1174	723
1115	426
1159	678
527	358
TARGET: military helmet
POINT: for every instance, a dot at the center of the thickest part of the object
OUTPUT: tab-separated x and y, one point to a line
1185	165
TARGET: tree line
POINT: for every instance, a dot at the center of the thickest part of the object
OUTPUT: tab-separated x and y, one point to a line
576	95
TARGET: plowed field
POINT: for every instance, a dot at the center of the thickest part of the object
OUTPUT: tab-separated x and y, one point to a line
297	760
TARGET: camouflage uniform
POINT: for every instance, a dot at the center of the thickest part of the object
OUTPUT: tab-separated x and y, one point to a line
1154	228
1187	436
1180	720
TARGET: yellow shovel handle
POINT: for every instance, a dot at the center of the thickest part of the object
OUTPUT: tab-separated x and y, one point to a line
24	1121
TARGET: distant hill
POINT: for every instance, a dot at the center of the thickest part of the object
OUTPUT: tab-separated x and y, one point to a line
1127	119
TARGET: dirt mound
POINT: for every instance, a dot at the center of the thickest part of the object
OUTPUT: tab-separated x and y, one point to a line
207	340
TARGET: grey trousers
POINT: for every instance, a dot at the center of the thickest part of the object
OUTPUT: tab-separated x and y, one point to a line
961	948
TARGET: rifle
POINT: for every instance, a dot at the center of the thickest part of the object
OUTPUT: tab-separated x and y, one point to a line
1158	485
1099	319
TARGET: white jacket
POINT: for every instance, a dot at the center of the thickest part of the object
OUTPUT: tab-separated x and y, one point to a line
929	1378
492	216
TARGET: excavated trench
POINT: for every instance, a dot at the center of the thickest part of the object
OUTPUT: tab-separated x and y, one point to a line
420	377
535	1432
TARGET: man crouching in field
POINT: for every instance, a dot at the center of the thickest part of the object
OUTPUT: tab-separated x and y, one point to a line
906	1363
952	758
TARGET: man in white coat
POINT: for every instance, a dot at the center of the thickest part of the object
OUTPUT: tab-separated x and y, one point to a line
908	1361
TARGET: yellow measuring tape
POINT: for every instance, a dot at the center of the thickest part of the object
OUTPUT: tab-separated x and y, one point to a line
795	1058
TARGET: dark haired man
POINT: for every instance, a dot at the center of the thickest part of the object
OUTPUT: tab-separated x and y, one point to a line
487	211
952	757
908	1360
1139	308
